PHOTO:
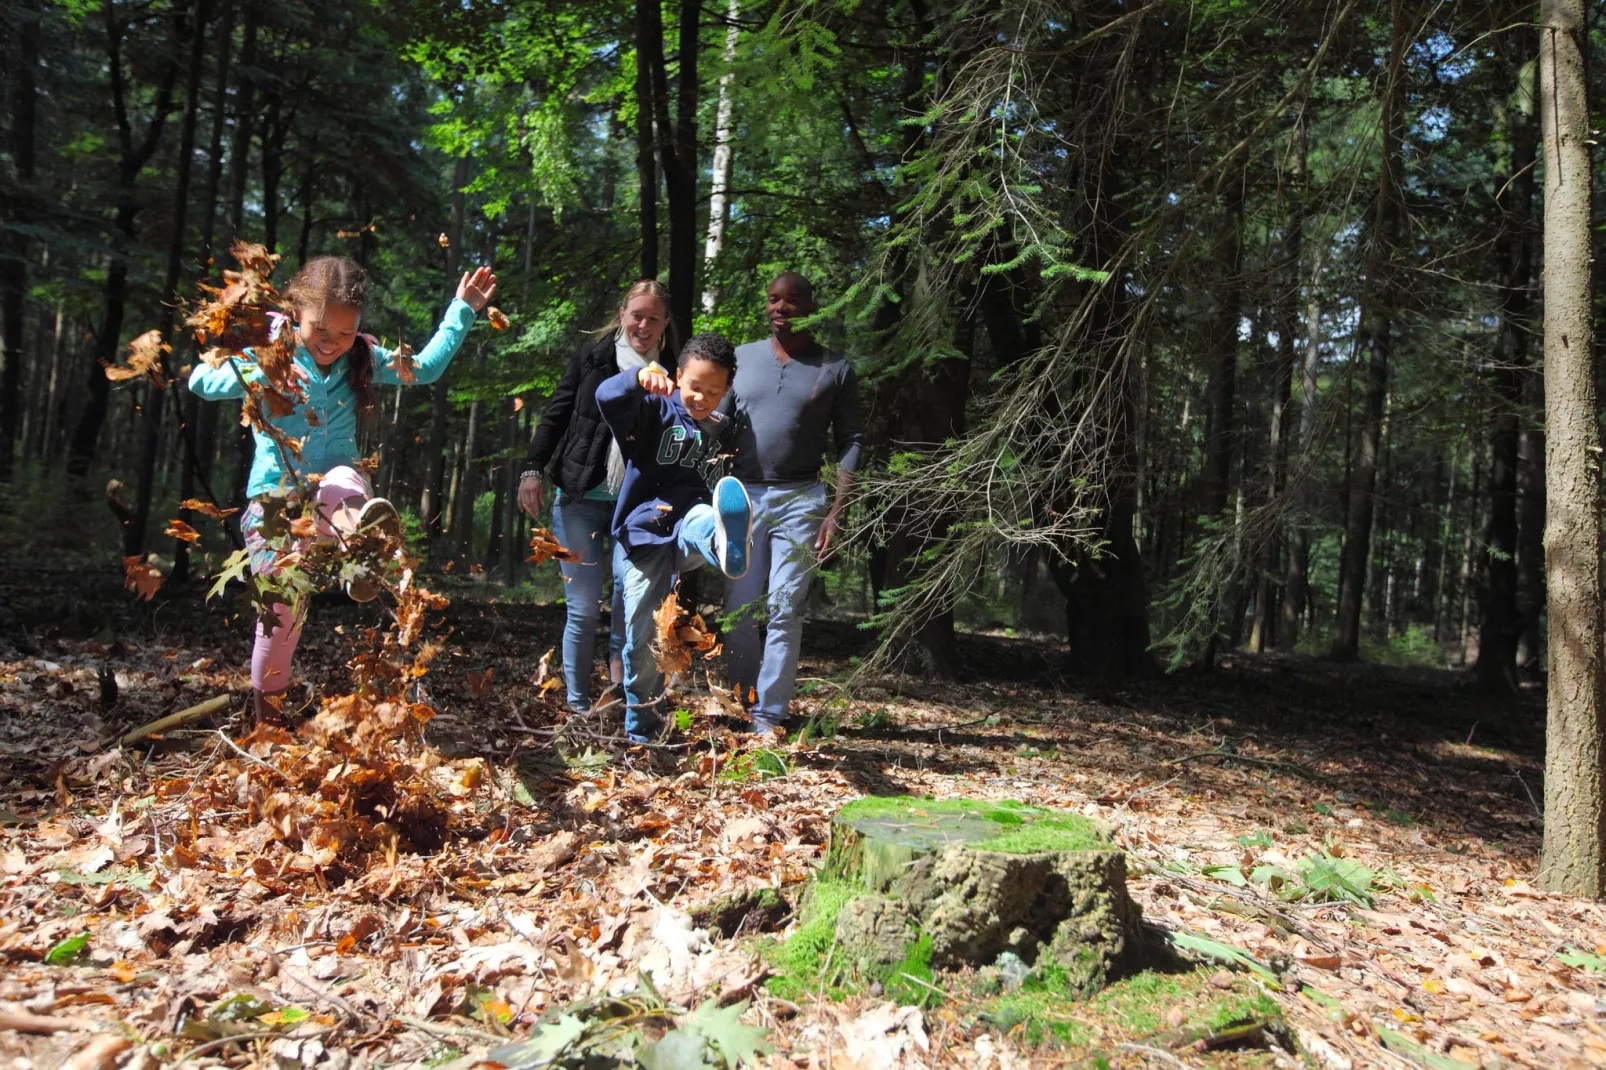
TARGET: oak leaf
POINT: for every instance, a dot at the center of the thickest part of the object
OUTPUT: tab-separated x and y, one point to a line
180	530
141	578
216	512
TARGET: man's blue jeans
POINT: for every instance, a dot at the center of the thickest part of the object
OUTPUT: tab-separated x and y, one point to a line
581	525
774	594
649	578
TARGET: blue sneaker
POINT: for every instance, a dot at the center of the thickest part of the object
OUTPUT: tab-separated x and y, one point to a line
733	526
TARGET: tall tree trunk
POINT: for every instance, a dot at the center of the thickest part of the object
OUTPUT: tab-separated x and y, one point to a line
201	418
719	181
245	77
23	59
1296	581
50	419
244	120
430	507
155	400
1106	597
1496	668
1445	533
274	130
1377	334
468	488
1221	436
1530	545
1221	389
306	199
1287	313
132	155
1573	859
649	38
677	155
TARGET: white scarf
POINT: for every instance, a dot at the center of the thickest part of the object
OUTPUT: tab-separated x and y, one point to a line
626	359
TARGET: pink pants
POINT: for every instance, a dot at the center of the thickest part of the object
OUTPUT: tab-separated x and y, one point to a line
271	654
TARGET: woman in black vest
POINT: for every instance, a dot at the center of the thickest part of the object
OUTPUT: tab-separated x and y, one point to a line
573	449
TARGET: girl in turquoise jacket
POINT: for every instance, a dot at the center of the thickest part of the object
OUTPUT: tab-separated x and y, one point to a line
340	370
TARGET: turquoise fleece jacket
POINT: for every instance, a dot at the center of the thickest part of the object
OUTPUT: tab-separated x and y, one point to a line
327	421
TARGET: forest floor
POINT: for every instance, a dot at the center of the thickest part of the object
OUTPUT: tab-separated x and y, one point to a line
152	916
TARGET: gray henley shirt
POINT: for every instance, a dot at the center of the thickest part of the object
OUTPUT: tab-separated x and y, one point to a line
795	412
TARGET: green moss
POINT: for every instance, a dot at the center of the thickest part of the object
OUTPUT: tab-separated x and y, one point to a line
1046	1011
798	961
916	964
1024	829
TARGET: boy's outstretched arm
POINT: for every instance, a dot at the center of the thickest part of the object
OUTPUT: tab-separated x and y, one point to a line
623	398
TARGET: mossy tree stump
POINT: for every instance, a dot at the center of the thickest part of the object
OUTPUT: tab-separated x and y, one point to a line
960	883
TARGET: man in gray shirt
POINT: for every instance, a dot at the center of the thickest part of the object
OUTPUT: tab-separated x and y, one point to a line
801	403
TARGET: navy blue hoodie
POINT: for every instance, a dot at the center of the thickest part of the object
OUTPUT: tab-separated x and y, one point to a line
671	463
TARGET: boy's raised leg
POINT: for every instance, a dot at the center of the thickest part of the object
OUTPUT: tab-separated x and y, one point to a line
722	533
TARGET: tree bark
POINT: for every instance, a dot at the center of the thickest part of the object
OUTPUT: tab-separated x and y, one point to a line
1377	333
677	153
719	181
1287	312
24	92
1296	581
156	400
204	418
1106	597
1530	545
1496	667
1573	858
430	504
132	155
245	77
649	37
1221	390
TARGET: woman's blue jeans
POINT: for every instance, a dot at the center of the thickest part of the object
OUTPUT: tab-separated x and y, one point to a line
581	525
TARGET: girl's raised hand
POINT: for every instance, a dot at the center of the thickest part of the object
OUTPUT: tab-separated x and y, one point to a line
476	288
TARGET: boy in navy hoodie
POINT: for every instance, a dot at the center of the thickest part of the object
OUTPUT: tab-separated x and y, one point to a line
677	508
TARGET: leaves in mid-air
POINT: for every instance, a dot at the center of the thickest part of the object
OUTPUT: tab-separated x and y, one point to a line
545	546
216	512
142	578
144	361
401	359
182	531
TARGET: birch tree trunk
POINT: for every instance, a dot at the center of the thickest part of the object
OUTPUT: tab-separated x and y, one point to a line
720	180
1573	860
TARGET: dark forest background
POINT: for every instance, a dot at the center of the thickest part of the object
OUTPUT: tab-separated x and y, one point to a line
1183	326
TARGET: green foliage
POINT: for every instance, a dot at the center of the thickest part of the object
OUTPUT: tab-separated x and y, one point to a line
68	951
1579	959
759	764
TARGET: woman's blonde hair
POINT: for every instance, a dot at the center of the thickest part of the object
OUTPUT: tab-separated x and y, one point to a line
647	288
